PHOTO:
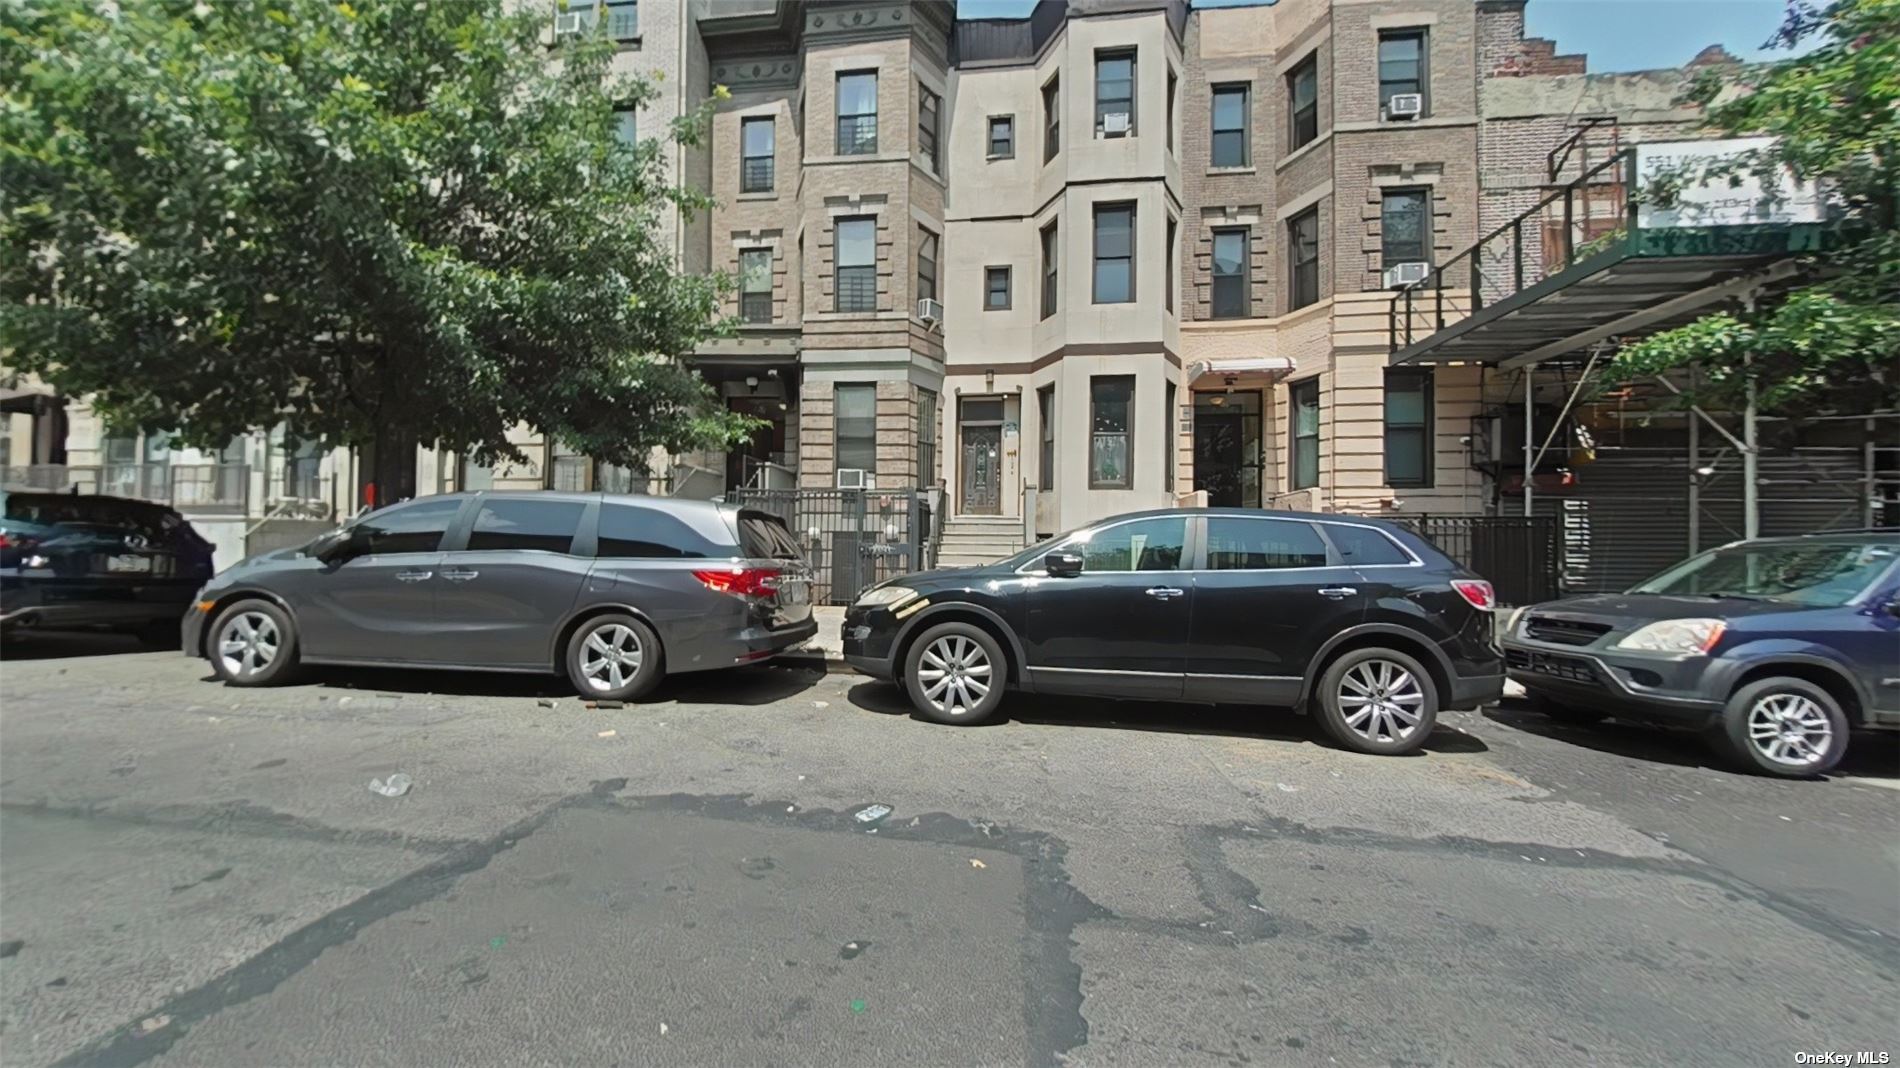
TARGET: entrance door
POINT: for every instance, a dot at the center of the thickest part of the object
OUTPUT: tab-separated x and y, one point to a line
982	470
980	429
766	445
1227	449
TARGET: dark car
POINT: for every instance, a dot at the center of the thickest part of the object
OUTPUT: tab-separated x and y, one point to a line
1359	620
1777	648
72	561
614	591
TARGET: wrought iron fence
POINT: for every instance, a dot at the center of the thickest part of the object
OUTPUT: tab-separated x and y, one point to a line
852	538
1521	556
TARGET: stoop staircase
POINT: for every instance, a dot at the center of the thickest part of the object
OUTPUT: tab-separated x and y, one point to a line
969	540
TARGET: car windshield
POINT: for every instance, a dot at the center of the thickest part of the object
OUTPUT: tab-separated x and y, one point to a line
1824	574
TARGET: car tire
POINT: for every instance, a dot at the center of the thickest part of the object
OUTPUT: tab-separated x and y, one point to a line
1364	696
614	657
1551	708
956	673
253	643
1794	718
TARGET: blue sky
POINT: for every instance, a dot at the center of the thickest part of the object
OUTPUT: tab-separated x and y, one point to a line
1617	34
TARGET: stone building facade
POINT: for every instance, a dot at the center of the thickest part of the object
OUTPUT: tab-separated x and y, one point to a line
1109	256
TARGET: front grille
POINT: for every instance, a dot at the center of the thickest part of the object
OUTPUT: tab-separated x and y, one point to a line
1563	631
1569	668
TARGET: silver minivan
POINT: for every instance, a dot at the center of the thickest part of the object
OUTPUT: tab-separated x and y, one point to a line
615	591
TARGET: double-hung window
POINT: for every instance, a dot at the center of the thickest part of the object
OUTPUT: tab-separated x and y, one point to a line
1302	90
1402	66
755	285
1302	232
1230	275
926	264
1050	290
1404	227
1111	399
1114	253
756	163
1229	125
857	113
855	286
1408	427
855	420
1115	94
929	105
1305	433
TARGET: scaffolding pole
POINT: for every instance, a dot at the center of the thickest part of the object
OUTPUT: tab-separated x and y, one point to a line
1695	476
1530	436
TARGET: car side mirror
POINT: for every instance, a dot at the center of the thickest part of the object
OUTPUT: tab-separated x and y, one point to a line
1061	564
335	545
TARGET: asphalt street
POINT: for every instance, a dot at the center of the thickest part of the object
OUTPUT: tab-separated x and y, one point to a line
197	875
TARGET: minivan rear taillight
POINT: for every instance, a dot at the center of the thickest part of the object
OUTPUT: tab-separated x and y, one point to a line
1477	592
741	581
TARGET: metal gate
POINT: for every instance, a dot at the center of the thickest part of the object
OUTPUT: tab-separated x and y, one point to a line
852	538
1520	556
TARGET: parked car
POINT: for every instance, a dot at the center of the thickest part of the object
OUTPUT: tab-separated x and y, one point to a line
613	591
1776	648
72	561
1360	621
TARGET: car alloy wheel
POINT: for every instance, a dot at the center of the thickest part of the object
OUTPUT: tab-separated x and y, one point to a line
610	657
1789	729
1381	700
248	644
955	675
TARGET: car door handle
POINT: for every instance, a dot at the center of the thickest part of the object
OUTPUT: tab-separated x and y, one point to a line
459	576
1165	592
1337	592
413	576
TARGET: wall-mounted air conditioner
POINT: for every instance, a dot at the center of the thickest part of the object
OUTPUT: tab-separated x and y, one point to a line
930	311
1115	124
1400	275
567	25
1405	106
856	478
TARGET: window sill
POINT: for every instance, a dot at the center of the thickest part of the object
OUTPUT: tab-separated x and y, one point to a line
1291	157
992	158
1217	171
770	194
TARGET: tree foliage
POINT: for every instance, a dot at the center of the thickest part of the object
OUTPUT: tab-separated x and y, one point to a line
350	218
1833	345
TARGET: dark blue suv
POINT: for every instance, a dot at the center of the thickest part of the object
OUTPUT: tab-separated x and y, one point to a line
1777	648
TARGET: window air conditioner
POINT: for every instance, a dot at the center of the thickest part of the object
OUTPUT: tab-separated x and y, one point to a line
856	478
1115	124
930	311
1400	275
567	25
1405	106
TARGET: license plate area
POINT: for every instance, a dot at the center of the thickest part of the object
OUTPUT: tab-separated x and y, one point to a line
127	564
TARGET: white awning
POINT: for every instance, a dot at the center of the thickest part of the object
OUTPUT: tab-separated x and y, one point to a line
1273	367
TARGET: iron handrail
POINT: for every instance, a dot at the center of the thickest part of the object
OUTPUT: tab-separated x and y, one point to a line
1471	259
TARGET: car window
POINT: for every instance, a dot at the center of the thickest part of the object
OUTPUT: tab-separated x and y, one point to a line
1143	545
1364	545
410	527
1262	544
1817	573
628	530
94	515
516	523
764	536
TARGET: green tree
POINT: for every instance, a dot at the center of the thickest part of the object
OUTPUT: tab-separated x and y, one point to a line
1832	345
372	222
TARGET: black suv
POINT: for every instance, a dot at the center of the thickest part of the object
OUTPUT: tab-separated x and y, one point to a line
1360	620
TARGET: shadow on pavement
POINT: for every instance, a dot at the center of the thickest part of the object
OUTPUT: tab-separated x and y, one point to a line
1869	755
758	685
32	644
1233	721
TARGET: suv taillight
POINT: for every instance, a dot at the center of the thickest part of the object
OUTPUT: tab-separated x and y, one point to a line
1477	592
741	581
